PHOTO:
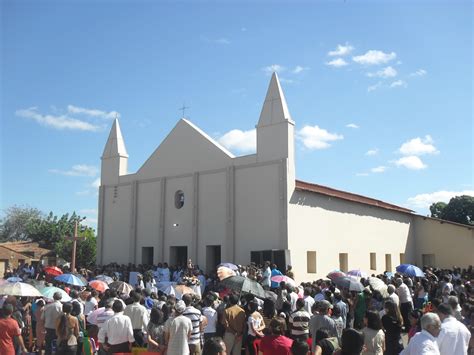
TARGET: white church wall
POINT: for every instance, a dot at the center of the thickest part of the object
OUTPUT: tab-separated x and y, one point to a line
259	208
178	222
443	244
212	215
330	226
116	224
148	219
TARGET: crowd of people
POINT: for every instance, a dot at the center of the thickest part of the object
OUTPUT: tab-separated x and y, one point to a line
416	315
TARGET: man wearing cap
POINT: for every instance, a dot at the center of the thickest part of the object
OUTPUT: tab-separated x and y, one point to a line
321	319
177	331
51	314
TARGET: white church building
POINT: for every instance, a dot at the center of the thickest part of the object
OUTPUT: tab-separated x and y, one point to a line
194	199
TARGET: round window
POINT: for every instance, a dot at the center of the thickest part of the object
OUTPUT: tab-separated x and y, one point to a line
179	199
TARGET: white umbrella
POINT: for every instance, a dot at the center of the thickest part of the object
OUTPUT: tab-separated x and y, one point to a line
19	289
378	285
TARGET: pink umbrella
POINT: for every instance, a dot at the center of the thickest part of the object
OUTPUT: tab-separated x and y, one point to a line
335	274
280	278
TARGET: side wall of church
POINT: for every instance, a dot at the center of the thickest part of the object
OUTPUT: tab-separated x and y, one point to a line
115	227
443	244
337	229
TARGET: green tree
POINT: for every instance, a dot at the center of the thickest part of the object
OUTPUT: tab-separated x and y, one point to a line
85	249
437	208
14	224
460	209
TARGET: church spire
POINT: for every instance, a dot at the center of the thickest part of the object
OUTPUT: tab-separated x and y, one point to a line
115	146
274	108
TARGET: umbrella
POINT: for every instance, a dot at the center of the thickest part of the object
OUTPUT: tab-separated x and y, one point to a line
121	287
410	270
271	295
280	278
48	293
243	284
70	279
98	285
349	282
225	270
104	278
15	279
229	265
357	273
92	317
19	289
53	270
378	285
335	274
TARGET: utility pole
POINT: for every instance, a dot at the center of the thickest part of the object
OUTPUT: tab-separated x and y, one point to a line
74	246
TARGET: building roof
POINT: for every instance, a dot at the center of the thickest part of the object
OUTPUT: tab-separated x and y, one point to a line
275	109
348	196
26	248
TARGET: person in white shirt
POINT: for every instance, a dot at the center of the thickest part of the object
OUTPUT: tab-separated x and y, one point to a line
116	335
308	300
406	302
454	336
266	275
91	303
51	314
424	342
392	295
211	315
101	315
139	317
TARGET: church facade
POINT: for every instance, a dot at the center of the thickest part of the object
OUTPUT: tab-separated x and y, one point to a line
194	199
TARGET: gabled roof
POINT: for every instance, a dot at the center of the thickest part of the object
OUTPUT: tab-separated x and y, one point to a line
26	247
348	196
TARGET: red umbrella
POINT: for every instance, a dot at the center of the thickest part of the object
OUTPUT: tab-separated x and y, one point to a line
53	270
98	285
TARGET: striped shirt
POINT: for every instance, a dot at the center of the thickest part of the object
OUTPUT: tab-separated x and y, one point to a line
299	322
195	316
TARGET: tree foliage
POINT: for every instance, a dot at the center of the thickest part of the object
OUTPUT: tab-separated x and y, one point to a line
14	224
51	232
460	209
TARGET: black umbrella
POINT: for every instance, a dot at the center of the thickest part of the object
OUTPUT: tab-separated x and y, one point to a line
242	284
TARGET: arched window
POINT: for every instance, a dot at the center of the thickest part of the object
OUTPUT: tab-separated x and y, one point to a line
179	199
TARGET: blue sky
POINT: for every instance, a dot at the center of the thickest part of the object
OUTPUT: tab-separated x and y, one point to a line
381	92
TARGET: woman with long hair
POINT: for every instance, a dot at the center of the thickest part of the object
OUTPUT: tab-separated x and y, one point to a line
392	323
67	331
76	312
374	337
40	329
156	331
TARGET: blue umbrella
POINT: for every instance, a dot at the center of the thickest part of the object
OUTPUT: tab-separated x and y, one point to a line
410	270
48	292
15	279
70	279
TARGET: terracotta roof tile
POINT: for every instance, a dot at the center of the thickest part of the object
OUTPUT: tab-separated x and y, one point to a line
328	191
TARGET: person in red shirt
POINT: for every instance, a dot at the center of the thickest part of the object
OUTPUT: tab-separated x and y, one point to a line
276	343
9	330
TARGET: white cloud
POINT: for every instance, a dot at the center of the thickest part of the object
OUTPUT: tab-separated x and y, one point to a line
341	50
93	112
274	68
352	125
242	141
418	146
77	170
398	83
411	162
57	122
337	63
96	183
222	41
372	152
374	87
426	200
374	57
419	72
314	137
387	72
379	169
298	69
92	189
362	174
88	211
